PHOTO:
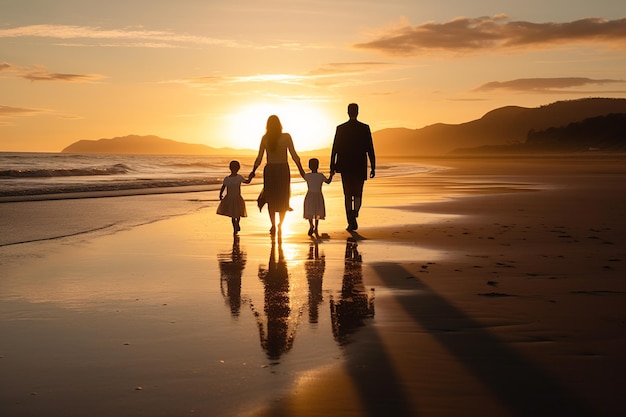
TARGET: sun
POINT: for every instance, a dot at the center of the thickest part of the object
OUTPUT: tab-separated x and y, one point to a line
309	125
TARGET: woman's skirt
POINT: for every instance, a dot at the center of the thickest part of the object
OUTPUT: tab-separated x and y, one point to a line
276	187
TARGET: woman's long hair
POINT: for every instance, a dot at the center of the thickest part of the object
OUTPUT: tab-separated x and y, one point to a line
273	131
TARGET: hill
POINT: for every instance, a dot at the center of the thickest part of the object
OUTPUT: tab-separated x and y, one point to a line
602	133
503	126
152	145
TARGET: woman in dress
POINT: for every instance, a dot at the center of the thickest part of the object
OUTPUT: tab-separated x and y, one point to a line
276	176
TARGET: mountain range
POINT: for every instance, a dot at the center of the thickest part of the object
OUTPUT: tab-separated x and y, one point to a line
504	126
498	130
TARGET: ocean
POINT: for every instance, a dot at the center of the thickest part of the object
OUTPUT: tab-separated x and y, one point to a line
41	176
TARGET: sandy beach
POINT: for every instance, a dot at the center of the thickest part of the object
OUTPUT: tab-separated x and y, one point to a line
492	288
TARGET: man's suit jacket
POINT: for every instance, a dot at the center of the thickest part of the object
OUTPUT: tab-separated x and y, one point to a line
352	146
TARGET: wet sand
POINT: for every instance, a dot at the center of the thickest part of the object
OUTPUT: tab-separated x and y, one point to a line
495	289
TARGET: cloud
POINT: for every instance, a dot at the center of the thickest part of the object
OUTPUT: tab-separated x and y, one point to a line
543	84
275	78
242	79
42	74
488	33
330	75
207	80
321	76
349	74
346	68
120	37
7	111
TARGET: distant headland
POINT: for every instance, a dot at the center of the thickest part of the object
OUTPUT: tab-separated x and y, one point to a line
148	145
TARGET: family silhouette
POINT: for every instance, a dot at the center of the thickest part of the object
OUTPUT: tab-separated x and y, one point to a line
352	148
277	323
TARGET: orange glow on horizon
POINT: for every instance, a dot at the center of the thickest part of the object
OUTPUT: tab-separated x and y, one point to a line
309	125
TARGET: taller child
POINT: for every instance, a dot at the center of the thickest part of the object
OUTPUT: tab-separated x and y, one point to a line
352	147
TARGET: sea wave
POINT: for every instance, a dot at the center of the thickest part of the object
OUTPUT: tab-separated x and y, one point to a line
117	169
24	176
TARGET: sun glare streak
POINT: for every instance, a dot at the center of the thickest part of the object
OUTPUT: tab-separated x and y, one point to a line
309	125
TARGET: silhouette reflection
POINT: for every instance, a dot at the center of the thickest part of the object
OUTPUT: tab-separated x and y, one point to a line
232	265
314	267
276	329
355	304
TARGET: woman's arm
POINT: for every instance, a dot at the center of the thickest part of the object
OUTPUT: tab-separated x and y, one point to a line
294	154
259	158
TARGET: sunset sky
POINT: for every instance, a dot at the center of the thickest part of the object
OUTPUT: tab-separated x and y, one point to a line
211	72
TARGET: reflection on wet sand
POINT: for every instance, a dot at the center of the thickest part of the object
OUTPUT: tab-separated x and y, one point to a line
314	267
277	323
277	329
232	265
355	303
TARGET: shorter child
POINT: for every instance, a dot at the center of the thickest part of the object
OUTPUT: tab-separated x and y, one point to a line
232	204
314	207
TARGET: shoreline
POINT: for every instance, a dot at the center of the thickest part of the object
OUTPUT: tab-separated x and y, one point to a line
77	195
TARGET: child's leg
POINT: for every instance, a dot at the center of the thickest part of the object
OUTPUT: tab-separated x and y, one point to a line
311	228
317	223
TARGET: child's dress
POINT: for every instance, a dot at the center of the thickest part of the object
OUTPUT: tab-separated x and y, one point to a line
314	207
232	204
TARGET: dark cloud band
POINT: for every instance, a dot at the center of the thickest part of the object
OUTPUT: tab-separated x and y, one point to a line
483	33
544	84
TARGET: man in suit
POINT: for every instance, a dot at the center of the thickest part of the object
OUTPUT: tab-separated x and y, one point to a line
351	148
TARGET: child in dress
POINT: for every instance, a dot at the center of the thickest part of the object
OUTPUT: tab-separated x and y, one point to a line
232	203
314	207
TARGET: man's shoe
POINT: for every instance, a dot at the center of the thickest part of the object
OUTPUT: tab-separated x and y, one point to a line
352	224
